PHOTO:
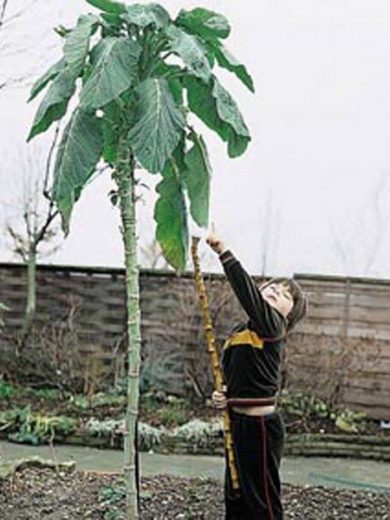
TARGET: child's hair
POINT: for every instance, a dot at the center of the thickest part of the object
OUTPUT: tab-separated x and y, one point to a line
299	310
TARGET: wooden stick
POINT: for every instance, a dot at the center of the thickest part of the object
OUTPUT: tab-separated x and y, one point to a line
211	347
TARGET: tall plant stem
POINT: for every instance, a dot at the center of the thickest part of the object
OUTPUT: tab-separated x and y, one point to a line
124	178
31	291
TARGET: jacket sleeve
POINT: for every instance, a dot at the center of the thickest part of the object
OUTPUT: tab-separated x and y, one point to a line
267	321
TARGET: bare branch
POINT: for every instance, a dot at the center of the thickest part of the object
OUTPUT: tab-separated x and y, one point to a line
18	14
42	232
358	246
20	246
379	222
3	7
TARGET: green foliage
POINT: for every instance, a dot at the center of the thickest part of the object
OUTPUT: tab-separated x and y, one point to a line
307	406
304	405
173	416
110	499
131	86
149	437
144	15
105	427
46	394
190	50
27	427
197	177
109	6
114	62
98	401
78	153
199	432
6	390
349	421
227	61
167	411
217	109
158	125
77	41
170	214
49	75
55	102
204	23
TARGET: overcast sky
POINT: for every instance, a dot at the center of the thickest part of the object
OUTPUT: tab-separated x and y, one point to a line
319	161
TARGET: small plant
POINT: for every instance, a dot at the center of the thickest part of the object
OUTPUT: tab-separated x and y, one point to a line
304	405
46	394
199	432
349	421
110	427
9	419
27	427
111	499
149	437
6	390
173	416
308	407
98	400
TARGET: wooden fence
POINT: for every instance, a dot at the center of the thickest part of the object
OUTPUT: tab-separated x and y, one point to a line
342	350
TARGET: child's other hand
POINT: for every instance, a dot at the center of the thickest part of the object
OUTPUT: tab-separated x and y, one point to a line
219	399
214	241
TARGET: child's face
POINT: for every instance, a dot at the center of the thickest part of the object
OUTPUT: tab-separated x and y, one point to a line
278	295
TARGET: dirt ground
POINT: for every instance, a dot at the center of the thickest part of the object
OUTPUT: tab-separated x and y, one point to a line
40	494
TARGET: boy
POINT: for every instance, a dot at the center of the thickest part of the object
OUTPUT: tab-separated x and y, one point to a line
251	361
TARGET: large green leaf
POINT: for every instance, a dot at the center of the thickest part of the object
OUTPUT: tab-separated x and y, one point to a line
78	154
159	124
170	73
204	23
226	60
217	109
170	214
229	112
109	6
114	71
49	75
53	106
191	50
197	177
146	14
77	41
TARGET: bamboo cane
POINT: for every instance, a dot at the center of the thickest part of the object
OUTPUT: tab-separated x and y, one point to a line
211	347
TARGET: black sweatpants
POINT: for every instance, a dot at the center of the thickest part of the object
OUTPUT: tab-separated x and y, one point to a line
258	447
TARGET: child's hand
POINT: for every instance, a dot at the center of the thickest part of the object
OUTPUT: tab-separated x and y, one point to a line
214	241
219	399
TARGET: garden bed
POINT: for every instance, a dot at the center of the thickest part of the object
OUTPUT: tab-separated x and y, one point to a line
171	425
36	493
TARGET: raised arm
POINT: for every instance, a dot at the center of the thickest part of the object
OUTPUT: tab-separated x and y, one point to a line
266	320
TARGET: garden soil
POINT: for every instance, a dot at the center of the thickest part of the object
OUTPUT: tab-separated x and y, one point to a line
41	494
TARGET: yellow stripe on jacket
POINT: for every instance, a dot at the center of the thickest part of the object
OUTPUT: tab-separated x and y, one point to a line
245	337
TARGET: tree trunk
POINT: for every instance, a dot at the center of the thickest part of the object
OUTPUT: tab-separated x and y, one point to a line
124	178
31	291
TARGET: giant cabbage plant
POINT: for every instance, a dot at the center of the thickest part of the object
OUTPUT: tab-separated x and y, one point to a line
138	75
